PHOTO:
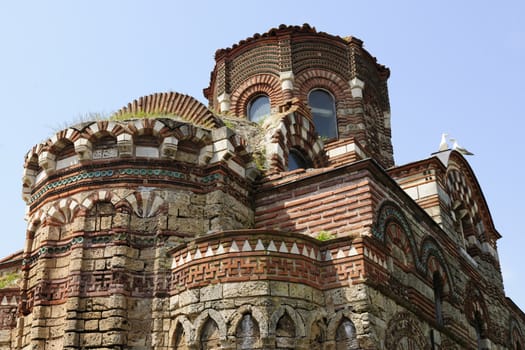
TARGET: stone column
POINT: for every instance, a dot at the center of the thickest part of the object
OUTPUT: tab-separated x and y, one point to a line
357	86
287	80
224	102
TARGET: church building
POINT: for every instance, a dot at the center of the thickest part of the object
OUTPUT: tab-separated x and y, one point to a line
274	217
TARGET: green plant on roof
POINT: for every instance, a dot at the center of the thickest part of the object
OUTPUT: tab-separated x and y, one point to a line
140	115
9	280
325	235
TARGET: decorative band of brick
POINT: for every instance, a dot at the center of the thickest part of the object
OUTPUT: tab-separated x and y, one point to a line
272	256
8	307
96	284
129	175
86	175
117	238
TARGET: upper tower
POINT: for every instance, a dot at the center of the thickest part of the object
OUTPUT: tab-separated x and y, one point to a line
341	85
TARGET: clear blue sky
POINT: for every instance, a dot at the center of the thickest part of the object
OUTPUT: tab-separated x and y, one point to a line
457	67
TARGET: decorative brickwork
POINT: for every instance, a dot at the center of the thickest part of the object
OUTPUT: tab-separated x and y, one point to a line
172	227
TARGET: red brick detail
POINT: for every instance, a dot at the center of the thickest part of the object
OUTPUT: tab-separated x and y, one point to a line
172	103
10	298
321	79
260	84
342	206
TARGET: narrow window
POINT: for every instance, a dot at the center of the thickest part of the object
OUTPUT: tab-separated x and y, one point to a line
285	333
209	338
438	297
247	333
297	160
259	108
322	105
478	327
180	338
345	335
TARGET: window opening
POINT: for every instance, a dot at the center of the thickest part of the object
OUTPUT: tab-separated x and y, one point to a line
438	297
322	105
478	327
297	160
259	108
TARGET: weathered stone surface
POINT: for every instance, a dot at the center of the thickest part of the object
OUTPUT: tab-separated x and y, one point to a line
188	229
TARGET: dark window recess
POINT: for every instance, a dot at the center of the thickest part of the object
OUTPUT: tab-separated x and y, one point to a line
322	105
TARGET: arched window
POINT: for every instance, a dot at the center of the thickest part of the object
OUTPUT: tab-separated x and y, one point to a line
317	335
322	105
297	160
345	335
247	333
209	338
259	108
437	284
180	338
285	333
478	327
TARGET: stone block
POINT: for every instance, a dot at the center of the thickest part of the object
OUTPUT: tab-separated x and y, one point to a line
118	262
56	331
39	332
117	301
71	339
112	323
279	288
115	312
100	264
189	297
113	338
244	289
91	339
211	292
300	291
72	325
91	325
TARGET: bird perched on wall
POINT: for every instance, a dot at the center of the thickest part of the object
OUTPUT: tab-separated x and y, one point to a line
443	145
460	149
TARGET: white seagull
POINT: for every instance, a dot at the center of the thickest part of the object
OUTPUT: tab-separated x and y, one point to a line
443	145
460	149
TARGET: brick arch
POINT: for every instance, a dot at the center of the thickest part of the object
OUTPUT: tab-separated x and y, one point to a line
54	143
64	211
433	260
260	84
396	235
145	204
404	325
387	212
34	221
297	126
31	158
150	126
237	316
101	127
193	133
294	315
172	104
475	303
311	79
99	196
464	187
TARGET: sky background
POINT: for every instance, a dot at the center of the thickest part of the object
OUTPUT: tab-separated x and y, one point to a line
456	67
